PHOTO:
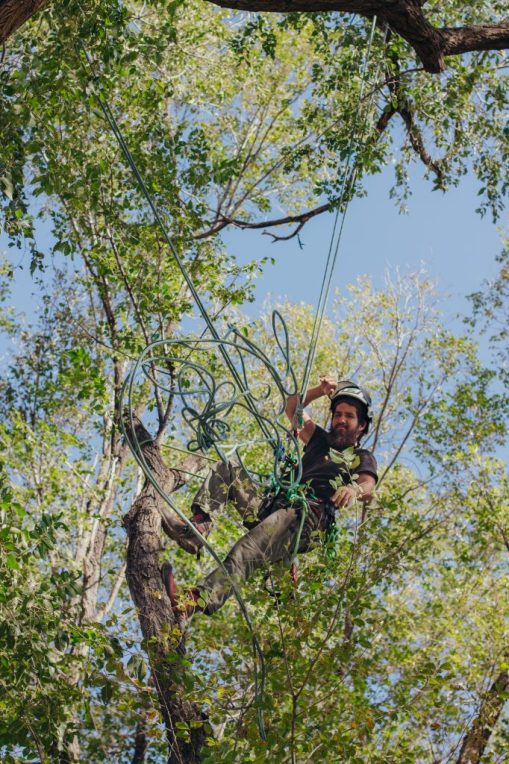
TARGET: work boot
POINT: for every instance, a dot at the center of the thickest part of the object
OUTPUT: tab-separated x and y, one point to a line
183	608
185	537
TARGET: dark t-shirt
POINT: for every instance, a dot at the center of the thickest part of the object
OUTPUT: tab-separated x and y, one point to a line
318	469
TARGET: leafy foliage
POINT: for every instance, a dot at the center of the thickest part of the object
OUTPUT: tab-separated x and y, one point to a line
384	651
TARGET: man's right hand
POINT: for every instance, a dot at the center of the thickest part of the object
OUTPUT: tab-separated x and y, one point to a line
328	384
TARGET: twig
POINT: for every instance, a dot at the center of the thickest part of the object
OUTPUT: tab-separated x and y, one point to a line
113	594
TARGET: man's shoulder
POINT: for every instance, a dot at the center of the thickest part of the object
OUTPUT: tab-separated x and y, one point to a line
361	451
318	439
367	461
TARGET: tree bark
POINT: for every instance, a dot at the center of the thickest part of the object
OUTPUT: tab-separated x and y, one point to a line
143	524
405	17
14	13
140	741
477	737
476	37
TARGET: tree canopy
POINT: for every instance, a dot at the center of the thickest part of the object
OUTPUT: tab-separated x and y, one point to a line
394	645
260	130
407	18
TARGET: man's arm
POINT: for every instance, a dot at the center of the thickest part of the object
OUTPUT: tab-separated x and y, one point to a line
326	387
361	489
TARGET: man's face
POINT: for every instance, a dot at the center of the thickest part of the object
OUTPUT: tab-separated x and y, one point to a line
345	427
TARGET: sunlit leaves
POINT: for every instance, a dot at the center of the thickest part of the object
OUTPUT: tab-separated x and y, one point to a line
382	650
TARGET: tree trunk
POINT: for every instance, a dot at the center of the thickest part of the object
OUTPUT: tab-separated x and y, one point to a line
476	739
143	524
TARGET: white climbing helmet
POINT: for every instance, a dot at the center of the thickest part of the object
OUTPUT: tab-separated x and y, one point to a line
347	389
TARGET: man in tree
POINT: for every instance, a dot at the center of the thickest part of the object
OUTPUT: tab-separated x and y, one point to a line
332	481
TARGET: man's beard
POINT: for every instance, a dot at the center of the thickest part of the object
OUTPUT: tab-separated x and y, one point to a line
341	439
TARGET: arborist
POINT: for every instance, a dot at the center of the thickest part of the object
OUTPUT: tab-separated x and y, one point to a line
329	481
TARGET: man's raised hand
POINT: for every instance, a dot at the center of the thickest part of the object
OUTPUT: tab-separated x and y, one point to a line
328	384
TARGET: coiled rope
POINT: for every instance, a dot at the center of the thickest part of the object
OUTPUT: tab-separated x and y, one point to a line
292	489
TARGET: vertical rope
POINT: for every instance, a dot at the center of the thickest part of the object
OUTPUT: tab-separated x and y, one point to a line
338	226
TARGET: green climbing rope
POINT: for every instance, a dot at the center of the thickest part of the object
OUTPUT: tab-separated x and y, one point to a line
337	230
244	396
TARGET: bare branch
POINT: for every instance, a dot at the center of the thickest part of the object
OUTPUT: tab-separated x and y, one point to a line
119	579
287	220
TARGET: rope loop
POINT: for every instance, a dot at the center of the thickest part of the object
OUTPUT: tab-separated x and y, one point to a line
204	406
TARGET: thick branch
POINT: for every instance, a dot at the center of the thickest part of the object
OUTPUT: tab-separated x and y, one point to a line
476	37
14	13
478	735
140	740
170	480
405	17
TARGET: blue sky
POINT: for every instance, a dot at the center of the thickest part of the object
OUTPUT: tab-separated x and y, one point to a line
441	231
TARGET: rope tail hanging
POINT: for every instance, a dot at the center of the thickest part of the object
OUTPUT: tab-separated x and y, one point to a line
259	681
259	674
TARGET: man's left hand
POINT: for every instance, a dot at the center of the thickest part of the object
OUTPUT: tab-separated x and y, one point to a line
346	495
